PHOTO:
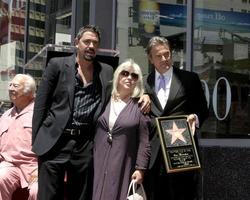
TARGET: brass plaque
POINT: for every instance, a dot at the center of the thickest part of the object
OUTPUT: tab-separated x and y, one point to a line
177	144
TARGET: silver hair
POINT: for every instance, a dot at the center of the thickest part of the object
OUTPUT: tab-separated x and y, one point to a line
29	83
156	40
138	90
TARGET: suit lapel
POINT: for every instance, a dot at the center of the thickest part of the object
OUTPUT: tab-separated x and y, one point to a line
70	73
104	84
174	89
106	88
150	88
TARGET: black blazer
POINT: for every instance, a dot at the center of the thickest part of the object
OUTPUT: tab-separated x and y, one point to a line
186	96
55	97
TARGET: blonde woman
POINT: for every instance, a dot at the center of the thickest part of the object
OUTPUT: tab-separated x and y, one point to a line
121	144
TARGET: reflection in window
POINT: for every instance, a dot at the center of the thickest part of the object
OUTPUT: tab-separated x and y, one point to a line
146	19
12	22
222	49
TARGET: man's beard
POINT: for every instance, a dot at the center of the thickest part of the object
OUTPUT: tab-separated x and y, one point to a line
89	54
89	58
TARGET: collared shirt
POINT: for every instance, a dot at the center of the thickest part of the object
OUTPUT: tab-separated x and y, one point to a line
161	94
15	141
86	100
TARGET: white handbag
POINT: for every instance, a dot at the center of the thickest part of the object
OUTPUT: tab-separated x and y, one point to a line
137	190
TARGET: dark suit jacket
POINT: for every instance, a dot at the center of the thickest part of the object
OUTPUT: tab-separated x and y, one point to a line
55	98
186	96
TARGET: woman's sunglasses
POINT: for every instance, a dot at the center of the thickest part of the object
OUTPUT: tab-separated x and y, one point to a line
133	75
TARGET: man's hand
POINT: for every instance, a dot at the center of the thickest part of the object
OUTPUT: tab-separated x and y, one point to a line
145	103
191	119
33	177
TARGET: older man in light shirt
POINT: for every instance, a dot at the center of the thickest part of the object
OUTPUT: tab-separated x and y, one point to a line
173	92
18	164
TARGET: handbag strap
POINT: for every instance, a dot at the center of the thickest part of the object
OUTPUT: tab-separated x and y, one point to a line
132	186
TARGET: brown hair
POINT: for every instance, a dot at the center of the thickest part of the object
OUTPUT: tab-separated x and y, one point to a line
91	28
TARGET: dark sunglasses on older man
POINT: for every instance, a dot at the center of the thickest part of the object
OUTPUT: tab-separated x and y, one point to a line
133	75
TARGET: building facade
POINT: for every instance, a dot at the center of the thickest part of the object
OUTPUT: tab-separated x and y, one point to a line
211	38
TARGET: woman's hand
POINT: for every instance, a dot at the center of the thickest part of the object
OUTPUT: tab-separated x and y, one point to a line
138	175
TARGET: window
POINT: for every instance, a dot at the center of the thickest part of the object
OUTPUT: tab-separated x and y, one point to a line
224	51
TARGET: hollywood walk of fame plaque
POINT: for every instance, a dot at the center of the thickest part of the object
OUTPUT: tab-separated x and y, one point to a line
177	144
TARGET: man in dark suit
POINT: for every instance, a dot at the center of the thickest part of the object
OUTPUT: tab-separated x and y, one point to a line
73	92
172	92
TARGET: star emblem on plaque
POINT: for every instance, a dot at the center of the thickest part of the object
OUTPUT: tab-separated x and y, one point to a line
177	144
176	133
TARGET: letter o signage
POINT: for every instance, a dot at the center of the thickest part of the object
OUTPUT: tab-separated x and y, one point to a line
215	97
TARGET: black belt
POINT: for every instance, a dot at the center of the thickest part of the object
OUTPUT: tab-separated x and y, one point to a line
72	131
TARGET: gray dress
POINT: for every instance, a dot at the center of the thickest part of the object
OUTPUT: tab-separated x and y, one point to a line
114	162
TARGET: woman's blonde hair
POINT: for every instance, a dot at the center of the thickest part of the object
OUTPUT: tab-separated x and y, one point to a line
139	89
